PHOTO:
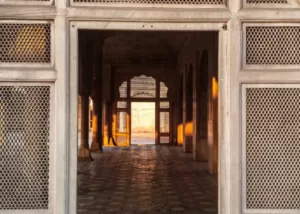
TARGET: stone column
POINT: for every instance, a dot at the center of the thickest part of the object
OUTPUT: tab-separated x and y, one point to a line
200	107
215	107
84	152
97	97
85	82
95	146
97	130
213	113
188	123
196	111
184	109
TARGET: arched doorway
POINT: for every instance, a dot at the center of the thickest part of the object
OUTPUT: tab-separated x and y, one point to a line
142	108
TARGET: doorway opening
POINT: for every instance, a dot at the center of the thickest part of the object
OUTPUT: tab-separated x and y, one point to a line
142	123
145	88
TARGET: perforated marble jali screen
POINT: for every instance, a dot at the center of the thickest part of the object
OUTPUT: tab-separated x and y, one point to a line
24	147
178	2
25	43
272	45
272	148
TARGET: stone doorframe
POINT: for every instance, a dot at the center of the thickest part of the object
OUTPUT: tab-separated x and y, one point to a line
224	191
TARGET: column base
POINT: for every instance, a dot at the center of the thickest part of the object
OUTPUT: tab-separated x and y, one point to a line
95	147
200	152
188	144
84	155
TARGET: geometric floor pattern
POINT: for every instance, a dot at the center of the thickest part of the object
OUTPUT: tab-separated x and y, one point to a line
145	180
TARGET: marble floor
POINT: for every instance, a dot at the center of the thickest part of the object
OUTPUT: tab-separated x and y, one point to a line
145	179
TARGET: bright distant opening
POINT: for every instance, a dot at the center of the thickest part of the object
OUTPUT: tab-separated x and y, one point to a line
143	123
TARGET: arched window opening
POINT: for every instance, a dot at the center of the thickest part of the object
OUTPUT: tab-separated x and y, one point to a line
163	90
143	87
141	114
123	90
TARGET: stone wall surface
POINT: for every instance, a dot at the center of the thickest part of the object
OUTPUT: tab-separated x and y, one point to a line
238	69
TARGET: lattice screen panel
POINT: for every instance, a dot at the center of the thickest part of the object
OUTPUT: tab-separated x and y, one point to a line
123	90
28	1
272	45
163	90
164	139
178	2
272	148
164	122
121	122
164	105
143	87
24	147
266	1
121	104
25	43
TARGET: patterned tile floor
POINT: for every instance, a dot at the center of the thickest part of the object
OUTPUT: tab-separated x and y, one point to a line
145	180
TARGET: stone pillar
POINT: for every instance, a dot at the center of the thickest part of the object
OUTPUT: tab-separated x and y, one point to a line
157	114
196	122
85	89
213	131
213	128
200	148
97	103
95	146
183	108
84	152
97	130
106	97
188	119
97	97
215	106
184	121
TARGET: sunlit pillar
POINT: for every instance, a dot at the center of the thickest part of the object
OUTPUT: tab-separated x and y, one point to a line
84	152
215	150
196	118
213	129
85	90
200	148
95	141
188	119
97	135
184	102
213	125
97	130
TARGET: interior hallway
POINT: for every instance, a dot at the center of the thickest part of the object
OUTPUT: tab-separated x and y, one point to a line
145	179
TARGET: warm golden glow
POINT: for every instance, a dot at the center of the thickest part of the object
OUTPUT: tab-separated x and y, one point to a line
114	127
94	124
127	129
143	117
31	41
180	134
121	137
143	123
214	88
105	135
189	129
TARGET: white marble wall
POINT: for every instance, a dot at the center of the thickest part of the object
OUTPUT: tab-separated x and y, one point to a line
67	18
